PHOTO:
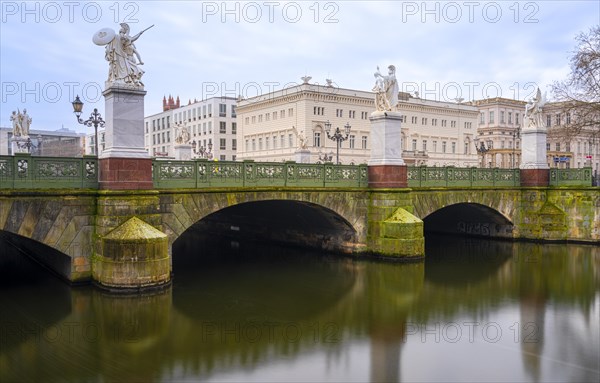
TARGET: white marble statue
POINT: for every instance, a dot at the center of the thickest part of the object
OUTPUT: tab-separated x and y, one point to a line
21	123
533	111
123	58
386	90
302	143
25	123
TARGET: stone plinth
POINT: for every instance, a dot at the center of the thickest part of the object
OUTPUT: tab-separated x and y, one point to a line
125	163
125	173
534	166
135	255
183	152
386	166
19	141
303	156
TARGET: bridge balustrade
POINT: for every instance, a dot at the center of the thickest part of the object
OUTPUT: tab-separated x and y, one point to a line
30	172
27	172
571	177
203	173
423	176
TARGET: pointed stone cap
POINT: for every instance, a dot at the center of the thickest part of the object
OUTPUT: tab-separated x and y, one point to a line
134	229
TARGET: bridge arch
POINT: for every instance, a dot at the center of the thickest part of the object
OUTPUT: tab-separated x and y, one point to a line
482	213
331	220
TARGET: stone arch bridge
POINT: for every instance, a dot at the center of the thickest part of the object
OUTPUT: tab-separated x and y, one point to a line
124	238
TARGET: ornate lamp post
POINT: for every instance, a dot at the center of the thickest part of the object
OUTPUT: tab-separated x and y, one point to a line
201	150
95	119
481	148
516	134
338	137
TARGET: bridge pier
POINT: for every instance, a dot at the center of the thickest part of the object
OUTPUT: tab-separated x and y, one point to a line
392	229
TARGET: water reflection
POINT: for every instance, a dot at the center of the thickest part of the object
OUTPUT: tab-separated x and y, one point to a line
475	310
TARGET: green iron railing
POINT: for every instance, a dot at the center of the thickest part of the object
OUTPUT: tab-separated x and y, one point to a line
571	177
203	173
423	176
23	171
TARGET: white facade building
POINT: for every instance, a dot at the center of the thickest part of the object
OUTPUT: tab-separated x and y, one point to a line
277	125
212	121
49	143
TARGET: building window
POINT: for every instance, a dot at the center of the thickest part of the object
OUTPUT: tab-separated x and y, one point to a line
222	144
547	146
254	119
517	118
443	146
267	143
568	118
413	119
548	120
233	112
502	117
247	145
454	147
434	146
222	127
204	111
222	157
291	140
351	141
282	141
260	117
222	110
339	113
209	127
291	112
558	119
282	113
491	117
274	142
274	115
254	144
267	116
234	128
453	124
364	142
233	157
510	117
434	122
444	123
424	121
352	114
260	147
317	139
414	145
466	148
424	145
318	110
234	144
558	146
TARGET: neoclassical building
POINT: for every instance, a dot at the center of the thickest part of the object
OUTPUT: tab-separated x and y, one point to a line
210	123
499	126
276	126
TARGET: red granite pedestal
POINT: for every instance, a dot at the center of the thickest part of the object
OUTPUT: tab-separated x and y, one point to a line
535	177
388	176
126	173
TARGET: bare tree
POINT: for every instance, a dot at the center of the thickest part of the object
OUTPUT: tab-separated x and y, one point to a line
579	94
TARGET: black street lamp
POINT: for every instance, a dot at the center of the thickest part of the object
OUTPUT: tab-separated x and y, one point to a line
202	151
338	137
516	134
481	148
95	118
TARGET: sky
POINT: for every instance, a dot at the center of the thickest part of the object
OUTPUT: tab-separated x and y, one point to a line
200	49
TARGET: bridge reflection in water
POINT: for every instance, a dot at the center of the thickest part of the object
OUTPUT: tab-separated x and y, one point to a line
475	310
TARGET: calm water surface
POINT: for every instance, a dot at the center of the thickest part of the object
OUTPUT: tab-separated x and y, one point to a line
476	310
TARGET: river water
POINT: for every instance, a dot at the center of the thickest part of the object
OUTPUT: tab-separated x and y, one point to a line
475	310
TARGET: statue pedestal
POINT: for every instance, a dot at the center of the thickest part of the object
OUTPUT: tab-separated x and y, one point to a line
183	152
386	166
125	163
303	156
17	144
534	166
